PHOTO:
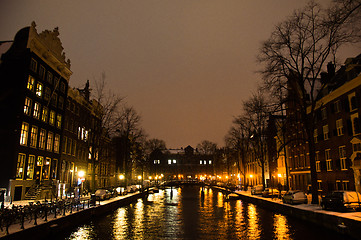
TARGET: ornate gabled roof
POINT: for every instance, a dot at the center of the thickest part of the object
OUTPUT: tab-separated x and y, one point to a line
48	46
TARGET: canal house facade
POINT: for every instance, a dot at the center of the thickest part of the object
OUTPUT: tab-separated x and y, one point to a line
34	74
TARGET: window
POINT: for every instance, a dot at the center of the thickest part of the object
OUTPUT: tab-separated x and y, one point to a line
325	132
345	185
174	161
62	87
46	168
33	136
42	139
20	166
209	162
31	83
169	161
318	166
324	113
337	105
27	106
44	115
339	127
61	102
201	162
319	185
356	128
36	112
54	99
315	135
56	82
47	93
58	121
328	160
39	90
356	147
42	72
338	185
68	146
24	134
50	78
352	101
52	117
49	142
73	149
33	65
157	161
30	168
56	143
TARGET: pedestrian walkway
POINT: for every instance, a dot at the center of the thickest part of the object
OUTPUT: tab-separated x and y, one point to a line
51	217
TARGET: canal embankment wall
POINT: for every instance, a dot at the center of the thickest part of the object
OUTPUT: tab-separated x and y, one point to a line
62	223
327	219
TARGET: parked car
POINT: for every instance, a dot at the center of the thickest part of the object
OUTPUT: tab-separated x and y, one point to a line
294	196
102	194
257	190
270	192
341	200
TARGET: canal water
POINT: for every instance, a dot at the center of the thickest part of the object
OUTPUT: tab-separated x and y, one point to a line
185	213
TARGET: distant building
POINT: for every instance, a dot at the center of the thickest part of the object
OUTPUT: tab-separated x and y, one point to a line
185	163
34	75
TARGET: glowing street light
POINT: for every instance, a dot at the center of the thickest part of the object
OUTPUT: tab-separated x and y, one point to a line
81	174
139	177
121	177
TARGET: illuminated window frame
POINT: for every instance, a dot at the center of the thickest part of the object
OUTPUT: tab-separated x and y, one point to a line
50	141
30	167
31	83
42	138
24	133
36	111
20	166
33	136
27	106
39	90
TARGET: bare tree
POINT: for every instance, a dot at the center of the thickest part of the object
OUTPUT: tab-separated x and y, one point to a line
256	113
207	147
297	52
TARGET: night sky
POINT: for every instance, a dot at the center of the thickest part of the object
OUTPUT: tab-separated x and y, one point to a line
184	65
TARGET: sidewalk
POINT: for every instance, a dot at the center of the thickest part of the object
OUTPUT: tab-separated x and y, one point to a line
50	218
347	223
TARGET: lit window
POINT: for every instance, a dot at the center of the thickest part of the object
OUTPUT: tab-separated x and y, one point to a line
24	134
318	167
209	161
52	117
319	185
328	160
27	106
201	162
39	90
325	132
56	143
339	127
42	139
20	166
31	83
36	112
169	161
44	115
174	161
58	121
342	154
33	136
49	142
30	168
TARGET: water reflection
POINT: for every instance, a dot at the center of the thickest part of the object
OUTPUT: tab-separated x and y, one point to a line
194	213
281	229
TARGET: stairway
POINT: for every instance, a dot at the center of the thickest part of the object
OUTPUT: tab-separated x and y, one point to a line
35	191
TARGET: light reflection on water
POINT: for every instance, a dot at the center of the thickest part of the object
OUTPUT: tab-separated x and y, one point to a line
183	213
